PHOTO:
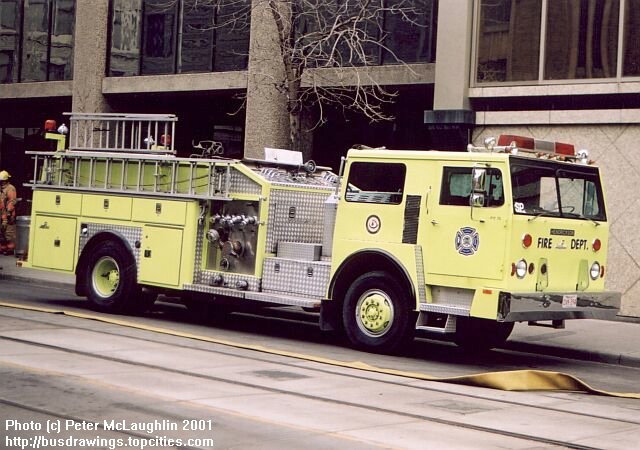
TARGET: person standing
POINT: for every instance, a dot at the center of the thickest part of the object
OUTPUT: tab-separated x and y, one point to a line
8	200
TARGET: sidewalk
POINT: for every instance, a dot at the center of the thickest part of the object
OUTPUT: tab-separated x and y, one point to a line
611	342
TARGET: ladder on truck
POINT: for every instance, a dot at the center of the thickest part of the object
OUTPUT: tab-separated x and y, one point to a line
129	153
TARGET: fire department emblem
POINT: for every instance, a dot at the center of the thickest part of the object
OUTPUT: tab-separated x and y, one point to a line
373	224
467	241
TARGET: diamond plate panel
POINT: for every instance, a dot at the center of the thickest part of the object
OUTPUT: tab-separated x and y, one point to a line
281	177
297	250
445	309
197	271
295	216
422	290
307	278
130	234
242	184
452	296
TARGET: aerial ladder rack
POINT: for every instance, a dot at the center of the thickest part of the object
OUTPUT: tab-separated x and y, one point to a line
125	154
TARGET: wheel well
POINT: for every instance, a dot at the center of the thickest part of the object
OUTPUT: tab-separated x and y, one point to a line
353	267
81	266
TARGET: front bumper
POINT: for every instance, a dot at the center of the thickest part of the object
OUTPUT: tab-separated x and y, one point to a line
516	307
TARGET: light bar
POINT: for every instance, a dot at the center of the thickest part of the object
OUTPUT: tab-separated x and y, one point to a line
527	143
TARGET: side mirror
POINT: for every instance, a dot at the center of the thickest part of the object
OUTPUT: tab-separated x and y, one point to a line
478	183
476	200
478	179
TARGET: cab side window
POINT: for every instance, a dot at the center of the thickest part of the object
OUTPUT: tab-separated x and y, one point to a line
456	187
381	183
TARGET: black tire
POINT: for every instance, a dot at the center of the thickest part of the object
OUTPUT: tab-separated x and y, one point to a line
479	335
111	279
376	313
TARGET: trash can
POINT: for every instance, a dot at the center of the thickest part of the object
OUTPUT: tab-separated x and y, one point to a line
22	235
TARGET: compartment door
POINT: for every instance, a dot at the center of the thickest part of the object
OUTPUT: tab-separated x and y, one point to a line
55	239
160	255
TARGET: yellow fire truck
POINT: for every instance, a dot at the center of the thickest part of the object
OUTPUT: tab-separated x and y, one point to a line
457	245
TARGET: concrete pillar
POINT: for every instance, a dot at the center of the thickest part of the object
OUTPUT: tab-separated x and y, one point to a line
267	120
90	55
451	120
453	54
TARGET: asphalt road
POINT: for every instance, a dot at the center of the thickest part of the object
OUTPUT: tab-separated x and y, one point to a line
75	372
290	330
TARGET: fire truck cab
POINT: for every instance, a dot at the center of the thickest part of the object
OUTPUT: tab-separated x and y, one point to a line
457	245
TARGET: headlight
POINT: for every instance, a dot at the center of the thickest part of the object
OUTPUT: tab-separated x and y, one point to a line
521	268
595	271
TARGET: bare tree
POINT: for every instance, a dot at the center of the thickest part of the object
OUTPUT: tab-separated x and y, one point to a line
326	48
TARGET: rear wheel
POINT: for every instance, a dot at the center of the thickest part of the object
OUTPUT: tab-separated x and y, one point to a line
477	335
111	280
376	313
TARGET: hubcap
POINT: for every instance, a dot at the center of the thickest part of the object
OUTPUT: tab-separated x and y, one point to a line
374	313
105	277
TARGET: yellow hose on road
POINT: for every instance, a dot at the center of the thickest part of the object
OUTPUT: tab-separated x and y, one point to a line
514	380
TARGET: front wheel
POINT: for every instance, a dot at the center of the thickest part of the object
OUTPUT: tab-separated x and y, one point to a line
376	313
111	279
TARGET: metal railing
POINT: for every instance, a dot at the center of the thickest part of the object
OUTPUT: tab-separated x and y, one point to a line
131	133
155	175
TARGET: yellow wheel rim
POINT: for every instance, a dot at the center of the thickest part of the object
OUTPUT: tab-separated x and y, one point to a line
374	313
105	277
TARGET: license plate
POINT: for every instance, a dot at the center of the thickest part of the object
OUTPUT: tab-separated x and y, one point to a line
569	301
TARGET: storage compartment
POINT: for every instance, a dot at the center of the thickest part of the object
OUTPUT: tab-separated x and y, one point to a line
55	239
159	211
67	203
106	206
160	255
308	278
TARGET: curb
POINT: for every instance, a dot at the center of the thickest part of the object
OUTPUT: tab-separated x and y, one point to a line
34	280
580	355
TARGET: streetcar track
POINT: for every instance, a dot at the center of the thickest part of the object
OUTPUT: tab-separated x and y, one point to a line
295	365
414	416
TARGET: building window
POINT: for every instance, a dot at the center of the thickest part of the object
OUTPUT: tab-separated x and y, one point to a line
509	40
160	36
150	37
47	40
9	40
580	41
631	58
61	48
410	42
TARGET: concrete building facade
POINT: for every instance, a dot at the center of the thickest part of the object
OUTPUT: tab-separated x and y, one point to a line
565	70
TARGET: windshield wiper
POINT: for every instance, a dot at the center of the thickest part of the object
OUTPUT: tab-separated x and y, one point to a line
589	219
539	212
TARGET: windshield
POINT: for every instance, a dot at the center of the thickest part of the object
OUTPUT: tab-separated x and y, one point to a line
554	189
